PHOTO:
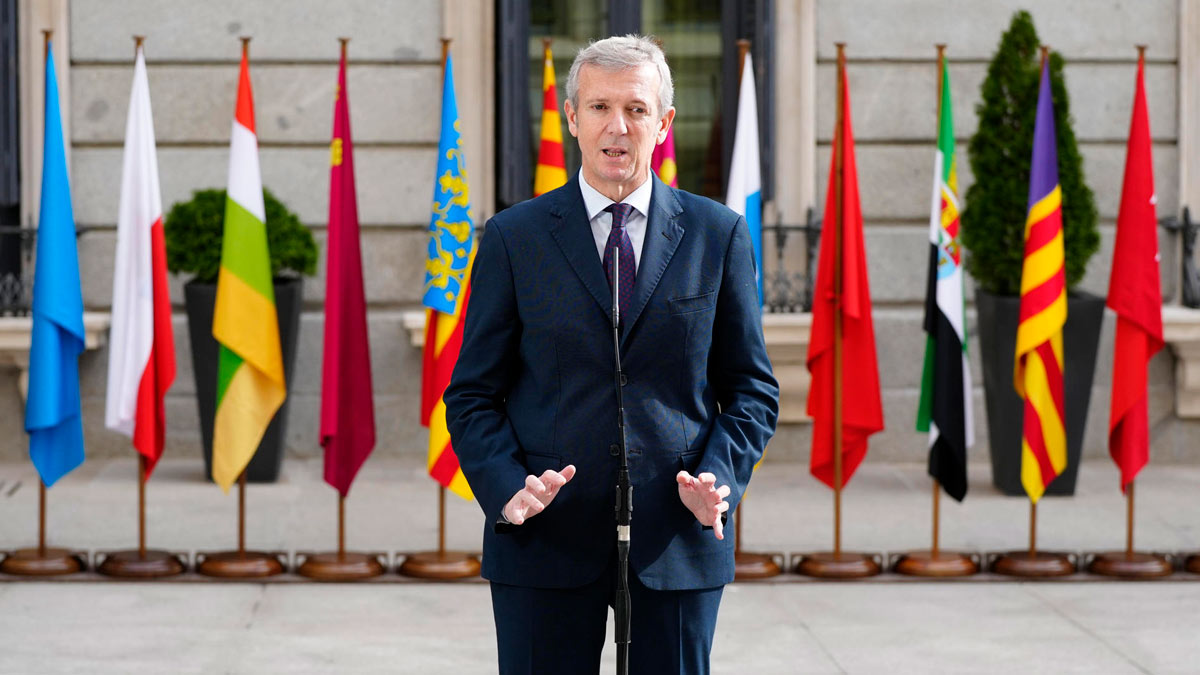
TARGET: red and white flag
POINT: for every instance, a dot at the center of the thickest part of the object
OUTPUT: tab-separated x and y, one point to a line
141	362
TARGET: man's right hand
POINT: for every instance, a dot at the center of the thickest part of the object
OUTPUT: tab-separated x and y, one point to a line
537	494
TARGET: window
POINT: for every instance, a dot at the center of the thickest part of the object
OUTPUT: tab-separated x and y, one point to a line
700	41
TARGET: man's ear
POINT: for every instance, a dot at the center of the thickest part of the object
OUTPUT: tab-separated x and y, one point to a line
664	125
569	110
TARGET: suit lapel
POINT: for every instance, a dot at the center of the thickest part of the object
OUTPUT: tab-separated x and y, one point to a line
663	235
573	234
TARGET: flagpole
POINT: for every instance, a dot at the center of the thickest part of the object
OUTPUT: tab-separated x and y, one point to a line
748	565
441	564
1129	521
839	158
241	549
937	493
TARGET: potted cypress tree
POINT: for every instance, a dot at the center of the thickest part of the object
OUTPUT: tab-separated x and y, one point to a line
193	232
993	230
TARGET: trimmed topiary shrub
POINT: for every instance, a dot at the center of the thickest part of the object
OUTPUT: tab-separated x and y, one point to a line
193	231
993	224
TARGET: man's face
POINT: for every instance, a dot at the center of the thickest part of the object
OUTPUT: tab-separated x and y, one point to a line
617	125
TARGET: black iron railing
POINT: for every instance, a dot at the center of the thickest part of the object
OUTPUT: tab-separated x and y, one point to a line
787	291
1189	278
16	270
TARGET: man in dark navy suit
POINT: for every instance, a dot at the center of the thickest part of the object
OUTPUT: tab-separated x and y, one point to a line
532	409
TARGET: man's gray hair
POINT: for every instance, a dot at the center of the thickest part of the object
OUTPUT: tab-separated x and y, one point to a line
619	53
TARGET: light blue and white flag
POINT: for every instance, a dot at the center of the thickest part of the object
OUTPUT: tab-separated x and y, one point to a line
745	172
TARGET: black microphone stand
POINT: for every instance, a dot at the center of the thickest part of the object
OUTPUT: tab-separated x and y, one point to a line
624	492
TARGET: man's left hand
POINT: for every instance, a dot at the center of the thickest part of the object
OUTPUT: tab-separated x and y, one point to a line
706	501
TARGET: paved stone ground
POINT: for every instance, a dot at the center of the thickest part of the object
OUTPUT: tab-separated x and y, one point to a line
791	625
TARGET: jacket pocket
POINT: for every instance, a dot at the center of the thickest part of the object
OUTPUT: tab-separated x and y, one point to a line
692	303
538	463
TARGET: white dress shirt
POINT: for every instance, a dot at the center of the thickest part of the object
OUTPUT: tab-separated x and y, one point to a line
601	220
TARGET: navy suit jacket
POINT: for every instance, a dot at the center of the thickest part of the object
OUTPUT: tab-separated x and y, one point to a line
534	388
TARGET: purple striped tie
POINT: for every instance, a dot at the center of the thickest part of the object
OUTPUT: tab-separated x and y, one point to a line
618	238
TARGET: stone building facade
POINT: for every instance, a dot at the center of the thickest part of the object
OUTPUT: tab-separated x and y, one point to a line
192	51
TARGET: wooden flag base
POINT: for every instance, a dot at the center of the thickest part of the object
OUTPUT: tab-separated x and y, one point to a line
238	564
1034	565
1192	564
755	566
843	565
940	564
340	566
440	565
32	562
140	565
1130	565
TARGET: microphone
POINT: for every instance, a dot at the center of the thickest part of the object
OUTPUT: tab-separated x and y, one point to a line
624	508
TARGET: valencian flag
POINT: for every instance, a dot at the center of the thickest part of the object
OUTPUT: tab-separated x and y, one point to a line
141	350
945	406
347	404
1134	294
662	160
52	410
447	272
250	383
744	194
551	170
1038	371
862	410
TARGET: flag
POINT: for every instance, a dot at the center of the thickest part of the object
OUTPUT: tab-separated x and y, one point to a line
551	170
744	194
662	160
250	384
52	411
862	410
1038	371
945	406
347	405
141	344
447	273
1134	294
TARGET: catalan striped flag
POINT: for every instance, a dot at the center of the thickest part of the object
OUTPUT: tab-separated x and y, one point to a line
447	289
662	161
250	384
551	170
945	405
1038	370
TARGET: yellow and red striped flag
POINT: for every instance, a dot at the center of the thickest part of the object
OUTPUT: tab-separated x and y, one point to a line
447	287
1038	372
250	384
551	170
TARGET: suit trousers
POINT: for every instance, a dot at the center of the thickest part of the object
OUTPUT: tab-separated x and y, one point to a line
562	631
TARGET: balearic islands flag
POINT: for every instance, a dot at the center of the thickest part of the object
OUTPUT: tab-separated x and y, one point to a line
862	410
662	161
447	289
141	350
945	406
744	194
347	402
52	407
1038	371
551	170
1134	294
250	382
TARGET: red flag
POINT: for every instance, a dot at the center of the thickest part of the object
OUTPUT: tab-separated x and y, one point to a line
1134	294
347	405
862	411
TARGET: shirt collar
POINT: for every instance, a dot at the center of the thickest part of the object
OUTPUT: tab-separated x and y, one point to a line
595	202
